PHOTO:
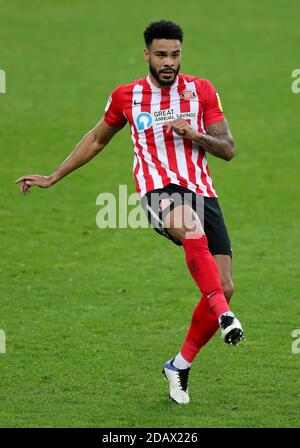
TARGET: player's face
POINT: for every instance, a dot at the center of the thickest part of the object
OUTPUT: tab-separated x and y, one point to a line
163	57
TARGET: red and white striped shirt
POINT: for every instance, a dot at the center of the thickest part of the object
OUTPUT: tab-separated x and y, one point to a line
161	158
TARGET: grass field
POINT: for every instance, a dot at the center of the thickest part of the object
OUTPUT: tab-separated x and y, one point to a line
90	315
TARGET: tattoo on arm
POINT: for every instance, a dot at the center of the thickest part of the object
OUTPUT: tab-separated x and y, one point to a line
218	141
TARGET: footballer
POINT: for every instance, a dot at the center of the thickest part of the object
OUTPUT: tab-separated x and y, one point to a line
175	120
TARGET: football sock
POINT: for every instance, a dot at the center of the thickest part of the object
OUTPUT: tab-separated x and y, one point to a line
204	325
204	270
180	362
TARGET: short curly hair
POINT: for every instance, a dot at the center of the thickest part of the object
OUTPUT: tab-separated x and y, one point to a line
163	29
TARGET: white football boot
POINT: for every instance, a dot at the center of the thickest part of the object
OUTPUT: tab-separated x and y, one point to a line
231	329
178	382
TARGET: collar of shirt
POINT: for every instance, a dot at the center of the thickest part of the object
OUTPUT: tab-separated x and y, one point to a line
162	89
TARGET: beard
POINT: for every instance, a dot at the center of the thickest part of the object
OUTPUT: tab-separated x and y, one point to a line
164	82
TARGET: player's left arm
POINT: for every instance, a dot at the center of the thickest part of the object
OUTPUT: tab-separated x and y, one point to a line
218	140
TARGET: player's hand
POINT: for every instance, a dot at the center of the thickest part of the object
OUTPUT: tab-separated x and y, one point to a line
26	182
182	128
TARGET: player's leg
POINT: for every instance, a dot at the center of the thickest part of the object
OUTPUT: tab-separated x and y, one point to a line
220	247
157	208
224	263
204	323
213	306
230	327
184	226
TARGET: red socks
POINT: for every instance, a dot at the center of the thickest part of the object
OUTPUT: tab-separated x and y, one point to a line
204	270
203	326
213	303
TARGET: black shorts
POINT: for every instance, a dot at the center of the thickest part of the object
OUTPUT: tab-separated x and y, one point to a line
158	203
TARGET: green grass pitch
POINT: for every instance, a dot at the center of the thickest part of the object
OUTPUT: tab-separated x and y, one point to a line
90	315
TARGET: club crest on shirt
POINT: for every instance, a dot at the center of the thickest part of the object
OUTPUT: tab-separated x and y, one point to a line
188	95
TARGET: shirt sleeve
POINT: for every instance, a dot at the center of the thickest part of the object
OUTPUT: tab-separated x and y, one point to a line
114	111
213	111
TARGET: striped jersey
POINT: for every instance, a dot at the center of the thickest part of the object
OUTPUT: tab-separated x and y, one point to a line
161	158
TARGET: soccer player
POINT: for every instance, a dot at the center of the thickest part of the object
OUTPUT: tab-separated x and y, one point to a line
174	120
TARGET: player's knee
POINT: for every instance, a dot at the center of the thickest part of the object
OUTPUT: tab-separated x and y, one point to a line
180	234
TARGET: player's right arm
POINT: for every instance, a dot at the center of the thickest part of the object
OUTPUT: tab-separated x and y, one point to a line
91	144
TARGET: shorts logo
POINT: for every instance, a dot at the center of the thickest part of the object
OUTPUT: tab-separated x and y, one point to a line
144	121
164	203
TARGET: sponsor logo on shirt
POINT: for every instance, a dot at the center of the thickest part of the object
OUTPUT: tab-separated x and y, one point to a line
144	121
161	117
